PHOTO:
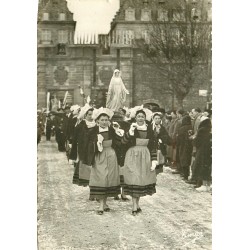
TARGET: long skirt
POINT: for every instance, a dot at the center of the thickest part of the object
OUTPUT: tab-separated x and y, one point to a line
76	174
84	174
170	152
121	177
139	179
161	161
105	177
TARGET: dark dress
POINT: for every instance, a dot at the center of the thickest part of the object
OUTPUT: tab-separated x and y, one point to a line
84	168
138	177
161	146
122	149
60	136
70	133
74	151
203	158
185	146
48	129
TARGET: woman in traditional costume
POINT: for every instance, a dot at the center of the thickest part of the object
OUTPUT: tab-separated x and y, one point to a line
86	125
117	92
121	126
75	132
140	161
105	177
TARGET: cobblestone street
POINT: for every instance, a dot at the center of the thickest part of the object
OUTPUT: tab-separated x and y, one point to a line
176	217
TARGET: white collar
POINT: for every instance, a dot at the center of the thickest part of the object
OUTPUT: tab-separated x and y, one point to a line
154	125
142	127
103	129
90	124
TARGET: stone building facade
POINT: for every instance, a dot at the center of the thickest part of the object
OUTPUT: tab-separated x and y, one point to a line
65	66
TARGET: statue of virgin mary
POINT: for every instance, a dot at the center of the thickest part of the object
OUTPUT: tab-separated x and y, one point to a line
117	92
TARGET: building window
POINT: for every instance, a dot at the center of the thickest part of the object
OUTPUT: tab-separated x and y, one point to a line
62	17
46	37
195	14
45	16
128	37
145	36
162	15
146	15
61	49
175	35
178	15
130	14
62	36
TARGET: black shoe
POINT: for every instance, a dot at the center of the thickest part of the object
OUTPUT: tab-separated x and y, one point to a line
197	186
190	182
107	209
134	213
139	210
117	198
100	212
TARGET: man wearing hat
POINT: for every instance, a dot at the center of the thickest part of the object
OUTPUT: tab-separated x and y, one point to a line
60	137
180	113
67	114
48	127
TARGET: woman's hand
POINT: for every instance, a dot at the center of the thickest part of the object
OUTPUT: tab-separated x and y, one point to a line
132	128
100	139
99	146
154	164
116	125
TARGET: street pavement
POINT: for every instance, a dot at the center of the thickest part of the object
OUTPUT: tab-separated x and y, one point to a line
176	217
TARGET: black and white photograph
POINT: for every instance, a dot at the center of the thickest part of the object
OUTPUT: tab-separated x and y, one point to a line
124	124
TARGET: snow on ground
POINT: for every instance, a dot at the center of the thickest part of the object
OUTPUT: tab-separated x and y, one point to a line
176	217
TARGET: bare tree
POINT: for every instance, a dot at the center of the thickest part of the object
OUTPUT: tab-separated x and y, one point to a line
174	48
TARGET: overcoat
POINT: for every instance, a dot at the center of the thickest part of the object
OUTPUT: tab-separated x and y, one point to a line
203	143
184	143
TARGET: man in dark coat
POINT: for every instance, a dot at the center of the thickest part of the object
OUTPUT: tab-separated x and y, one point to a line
65	124
179	113
185	145
60	137
203	159
49	125
196	115
172	149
